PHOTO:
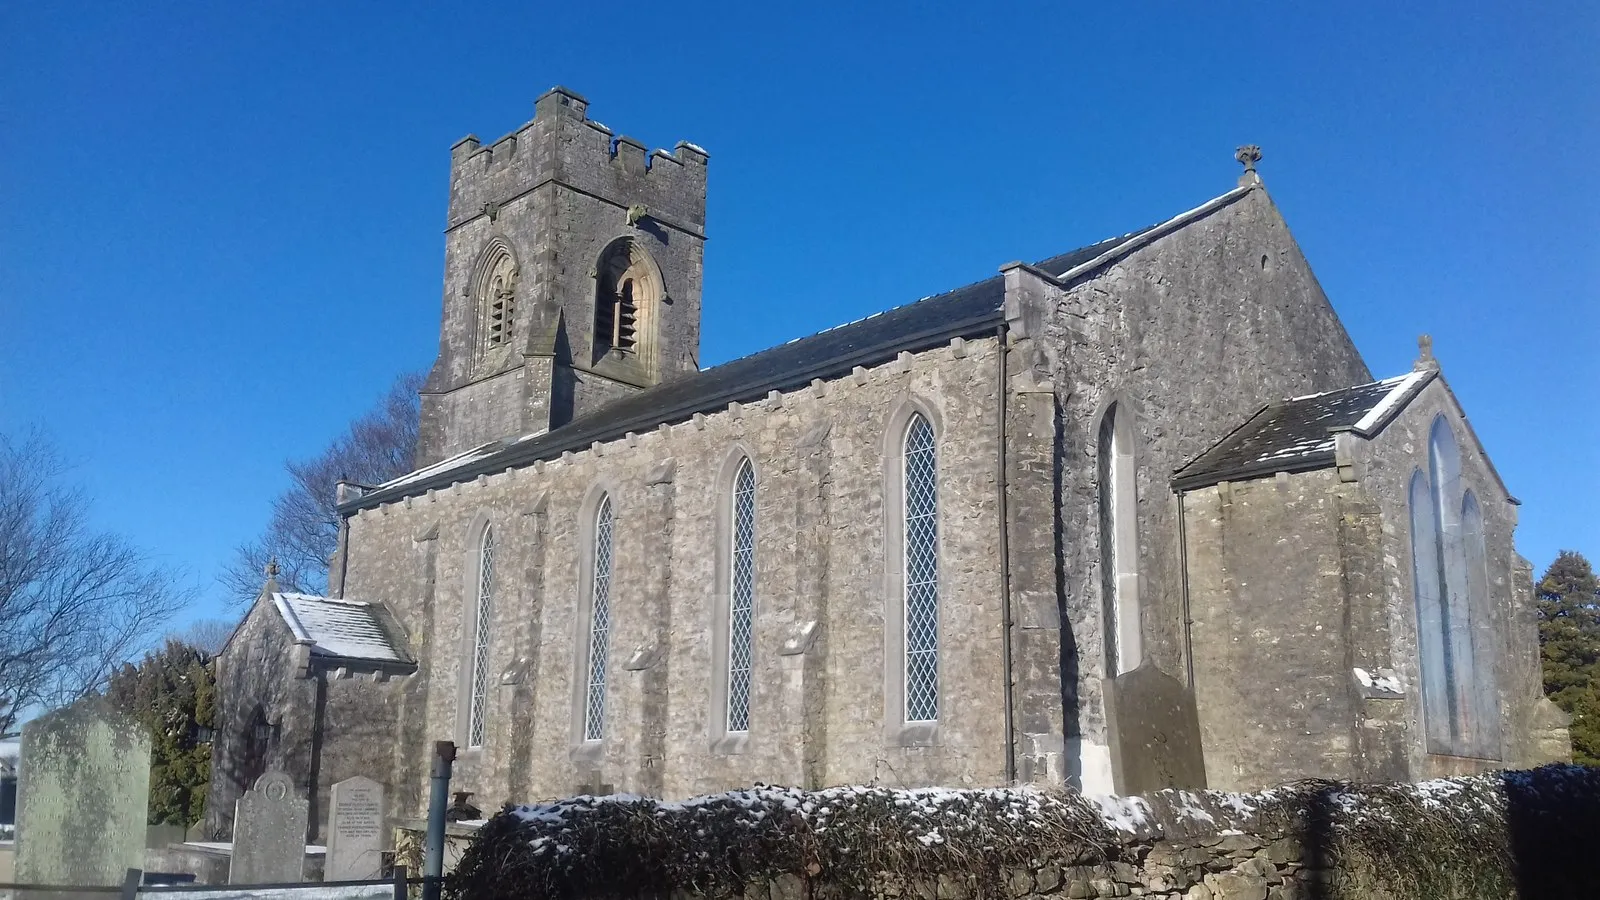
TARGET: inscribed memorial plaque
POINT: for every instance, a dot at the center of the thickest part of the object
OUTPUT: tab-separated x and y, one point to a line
1154	732
83	796
269	833
355	832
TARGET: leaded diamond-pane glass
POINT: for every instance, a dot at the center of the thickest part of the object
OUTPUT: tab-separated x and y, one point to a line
594	712
921	572
480	640
742	600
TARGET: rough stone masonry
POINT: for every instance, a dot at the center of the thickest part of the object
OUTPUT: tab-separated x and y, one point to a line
575	591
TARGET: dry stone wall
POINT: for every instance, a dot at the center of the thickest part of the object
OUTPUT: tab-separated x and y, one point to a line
1501	835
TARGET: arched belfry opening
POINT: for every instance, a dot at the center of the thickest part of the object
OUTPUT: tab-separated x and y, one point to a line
628	293
495	287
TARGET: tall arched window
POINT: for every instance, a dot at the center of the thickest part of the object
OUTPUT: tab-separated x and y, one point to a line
1119	543
921	487
497	298
741	599
484	611
1460	705
594	707
627	289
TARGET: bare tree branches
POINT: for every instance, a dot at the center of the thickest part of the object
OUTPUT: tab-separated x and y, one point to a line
304	528
74	603
205	635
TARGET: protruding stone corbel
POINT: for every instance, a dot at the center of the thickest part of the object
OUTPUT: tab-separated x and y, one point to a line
643	658
799	639
663	473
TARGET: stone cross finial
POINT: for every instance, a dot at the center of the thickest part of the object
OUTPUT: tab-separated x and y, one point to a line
1425	358
272	569
1248	156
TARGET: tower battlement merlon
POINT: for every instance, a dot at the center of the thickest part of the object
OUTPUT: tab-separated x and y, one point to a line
631	154
561	101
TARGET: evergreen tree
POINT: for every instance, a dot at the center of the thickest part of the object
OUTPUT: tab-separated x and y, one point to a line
1569	646
172	692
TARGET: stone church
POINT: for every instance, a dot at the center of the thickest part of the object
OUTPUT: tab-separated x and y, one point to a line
1133	515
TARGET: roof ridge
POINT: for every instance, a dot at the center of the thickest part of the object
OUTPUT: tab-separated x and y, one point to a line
321	599
968	311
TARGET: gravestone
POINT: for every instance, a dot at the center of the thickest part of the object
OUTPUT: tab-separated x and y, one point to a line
355	831
1153	728
83	797
1548	734
269	833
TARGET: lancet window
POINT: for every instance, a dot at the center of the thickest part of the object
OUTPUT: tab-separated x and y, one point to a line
483	611
921	561
594	709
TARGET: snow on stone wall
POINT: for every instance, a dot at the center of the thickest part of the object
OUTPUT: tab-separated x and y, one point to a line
1471	838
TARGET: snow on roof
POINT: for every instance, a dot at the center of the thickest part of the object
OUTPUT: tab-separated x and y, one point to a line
1297	434
831	353
349	629
449	462
1405	387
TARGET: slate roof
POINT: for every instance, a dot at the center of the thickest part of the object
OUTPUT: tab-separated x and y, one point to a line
971	311
1296	435
347	630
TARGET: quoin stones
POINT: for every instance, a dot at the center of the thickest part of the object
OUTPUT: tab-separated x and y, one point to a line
355	831
83	795
269	833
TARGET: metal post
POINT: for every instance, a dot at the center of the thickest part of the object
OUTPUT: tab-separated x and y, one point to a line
400	887
130	883
444	754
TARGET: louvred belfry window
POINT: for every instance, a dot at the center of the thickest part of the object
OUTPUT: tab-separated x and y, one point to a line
627	289
497	299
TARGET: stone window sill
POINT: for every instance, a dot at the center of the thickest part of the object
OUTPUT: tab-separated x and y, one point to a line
916	734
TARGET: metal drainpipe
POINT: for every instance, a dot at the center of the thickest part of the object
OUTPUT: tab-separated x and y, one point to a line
1005	556
444	754
1183	573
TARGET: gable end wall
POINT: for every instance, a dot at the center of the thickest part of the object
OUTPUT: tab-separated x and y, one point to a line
1192	333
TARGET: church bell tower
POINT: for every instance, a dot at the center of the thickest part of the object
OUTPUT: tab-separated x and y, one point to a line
572	277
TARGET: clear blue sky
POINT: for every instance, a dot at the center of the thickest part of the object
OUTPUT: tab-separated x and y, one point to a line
220	224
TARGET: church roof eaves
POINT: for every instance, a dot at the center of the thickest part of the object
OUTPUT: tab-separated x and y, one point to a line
1297	434
971	311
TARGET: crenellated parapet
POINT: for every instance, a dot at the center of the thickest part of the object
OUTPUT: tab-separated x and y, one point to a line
562	145
573	259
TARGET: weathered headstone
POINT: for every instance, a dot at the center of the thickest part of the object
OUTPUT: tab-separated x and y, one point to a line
355	831
269	833
83	796
1548	734
1153	728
